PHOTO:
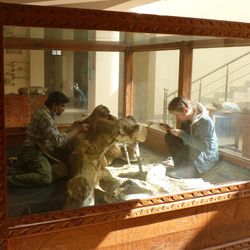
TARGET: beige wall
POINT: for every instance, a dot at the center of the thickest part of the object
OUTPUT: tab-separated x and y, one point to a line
153	71
107	80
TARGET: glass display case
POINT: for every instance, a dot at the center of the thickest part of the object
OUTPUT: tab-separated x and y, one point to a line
134	66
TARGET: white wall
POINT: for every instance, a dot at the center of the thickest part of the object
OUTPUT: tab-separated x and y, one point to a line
231	10
207	60
68	72
106	67
37	60
140	85
37	68
166	76
152	72
107	80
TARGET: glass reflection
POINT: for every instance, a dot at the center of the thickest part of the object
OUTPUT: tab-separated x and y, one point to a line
157	82
223	86
93	78
127	38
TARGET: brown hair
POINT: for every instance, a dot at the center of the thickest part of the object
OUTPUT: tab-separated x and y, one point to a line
178	104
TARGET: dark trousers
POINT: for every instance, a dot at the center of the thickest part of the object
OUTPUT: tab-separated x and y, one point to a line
180	153
37	168
177	149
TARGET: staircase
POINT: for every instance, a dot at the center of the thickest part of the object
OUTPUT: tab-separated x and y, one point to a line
229	82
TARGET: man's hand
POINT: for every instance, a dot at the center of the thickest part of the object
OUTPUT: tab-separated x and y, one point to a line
78	127
175	131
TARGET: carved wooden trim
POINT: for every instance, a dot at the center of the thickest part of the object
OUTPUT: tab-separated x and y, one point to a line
3	244
131	209
37	16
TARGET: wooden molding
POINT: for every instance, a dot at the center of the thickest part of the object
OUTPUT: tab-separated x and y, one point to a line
34	43
185	70
56	221
53	17
22	229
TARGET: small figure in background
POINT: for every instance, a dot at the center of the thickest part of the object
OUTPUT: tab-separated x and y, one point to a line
80	99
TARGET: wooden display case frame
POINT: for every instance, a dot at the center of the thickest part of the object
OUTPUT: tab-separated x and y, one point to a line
215	218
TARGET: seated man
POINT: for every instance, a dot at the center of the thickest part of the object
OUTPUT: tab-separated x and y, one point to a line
42	140
194	146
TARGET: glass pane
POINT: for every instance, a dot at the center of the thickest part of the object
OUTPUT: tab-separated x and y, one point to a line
124	38
88	79
156	82
40	61
223	85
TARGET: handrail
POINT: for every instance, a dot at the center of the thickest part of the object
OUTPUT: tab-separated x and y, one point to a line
221	67
167	96
226	76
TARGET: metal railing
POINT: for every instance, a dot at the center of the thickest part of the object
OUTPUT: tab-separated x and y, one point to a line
222	79
215	81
